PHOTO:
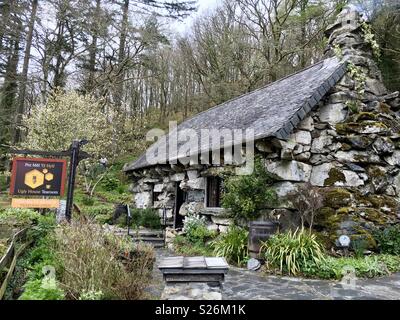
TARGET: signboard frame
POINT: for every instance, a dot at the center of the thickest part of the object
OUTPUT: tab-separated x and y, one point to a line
41	160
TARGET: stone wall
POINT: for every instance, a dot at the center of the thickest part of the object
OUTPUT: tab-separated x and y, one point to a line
349	147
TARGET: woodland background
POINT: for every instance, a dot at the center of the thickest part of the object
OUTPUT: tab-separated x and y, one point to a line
112	69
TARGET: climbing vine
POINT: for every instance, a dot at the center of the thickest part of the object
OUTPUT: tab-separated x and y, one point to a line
369	37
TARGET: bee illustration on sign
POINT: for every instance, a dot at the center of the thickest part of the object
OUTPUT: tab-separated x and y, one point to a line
38	177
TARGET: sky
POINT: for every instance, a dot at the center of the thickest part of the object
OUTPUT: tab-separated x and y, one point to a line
204	6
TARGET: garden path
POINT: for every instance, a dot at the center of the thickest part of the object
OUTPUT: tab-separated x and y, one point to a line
249	285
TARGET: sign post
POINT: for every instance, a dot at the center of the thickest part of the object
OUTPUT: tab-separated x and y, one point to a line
45	177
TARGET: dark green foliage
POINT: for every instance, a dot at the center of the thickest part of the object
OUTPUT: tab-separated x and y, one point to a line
110	183
183	246
359	246
101	209
35	290
147	218
365	267
232	245
88	201
246	195
291	251
3	183
388	240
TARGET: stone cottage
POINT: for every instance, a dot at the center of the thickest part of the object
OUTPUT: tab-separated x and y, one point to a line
333	125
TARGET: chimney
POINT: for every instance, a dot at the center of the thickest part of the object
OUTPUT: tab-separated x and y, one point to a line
347	36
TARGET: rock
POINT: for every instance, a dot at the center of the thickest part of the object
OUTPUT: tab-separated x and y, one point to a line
363	127
178	177
158	187
253	264
288	220
301	137
340	97
223	229
383	145
191	208
354	167
287	150
194	184
319	144
306	124
264	146
283	189
195	196
143	200
329	175
333	113
359	142
338	198
212	227
192	174
375	87
222	221
303	156
394	159
290	170
357	157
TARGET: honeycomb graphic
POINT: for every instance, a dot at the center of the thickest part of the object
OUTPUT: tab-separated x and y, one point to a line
34	179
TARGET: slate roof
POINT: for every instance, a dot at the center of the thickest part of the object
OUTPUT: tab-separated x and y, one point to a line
272	111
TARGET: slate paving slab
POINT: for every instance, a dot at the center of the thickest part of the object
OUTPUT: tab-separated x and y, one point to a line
241	284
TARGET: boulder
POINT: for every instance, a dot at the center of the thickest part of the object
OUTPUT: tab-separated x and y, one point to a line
333	113
306	124
301	137
191	208
143	200
178	177
321	143
329	175
394	159
192	174
290	170
194	184
357	157
383	145
222	221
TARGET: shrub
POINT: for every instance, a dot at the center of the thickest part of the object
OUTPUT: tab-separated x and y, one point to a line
232	245
388	240
364	267
195	229
307	200
19	217
95	261
3	183
101	209
87	201
110	183
291	251
246	195
149	218
35	290
186	248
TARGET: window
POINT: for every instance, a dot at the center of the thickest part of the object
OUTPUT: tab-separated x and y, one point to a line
215	188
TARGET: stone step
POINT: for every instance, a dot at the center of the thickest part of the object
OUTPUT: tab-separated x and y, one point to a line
149	239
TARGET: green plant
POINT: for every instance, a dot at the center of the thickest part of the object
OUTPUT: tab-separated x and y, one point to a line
19	217
364	267
101	209
195	229
88	201
3	182
149	218
388	240
359	246
96	261
232	245
110	183
184	247
291	251
35	290
246	195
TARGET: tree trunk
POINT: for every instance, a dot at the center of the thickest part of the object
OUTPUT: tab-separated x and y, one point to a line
24	75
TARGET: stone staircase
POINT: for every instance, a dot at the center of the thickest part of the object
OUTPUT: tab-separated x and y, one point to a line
153	237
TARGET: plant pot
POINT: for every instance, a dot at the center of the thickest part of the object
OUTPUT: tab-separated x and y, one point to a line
260	231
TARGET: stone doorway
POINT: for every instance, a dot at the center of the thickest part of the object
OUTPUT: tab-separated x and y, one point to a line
180	199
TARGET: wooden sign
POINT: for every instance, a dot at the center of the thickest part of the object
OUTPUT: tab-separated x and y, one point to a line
35	203
38	177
